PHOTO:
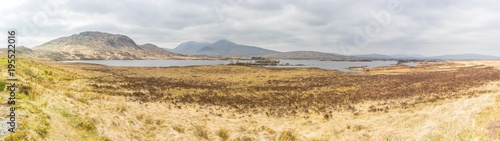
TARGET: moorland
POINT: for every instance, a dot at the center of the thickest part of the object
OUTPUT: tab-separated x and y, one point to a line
451	100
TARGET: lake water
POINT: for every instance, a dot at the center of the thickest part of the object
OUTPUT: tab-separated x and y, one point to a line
330	65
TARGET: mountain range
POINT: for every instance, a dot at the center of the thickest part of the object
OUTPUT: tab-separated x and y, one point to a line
314	55
226	48
420	57
465	57
94	45
190	47
222	48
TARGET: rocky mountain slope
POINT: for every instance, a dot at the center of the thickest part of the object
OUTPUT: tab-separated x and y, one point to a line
152	50
93	45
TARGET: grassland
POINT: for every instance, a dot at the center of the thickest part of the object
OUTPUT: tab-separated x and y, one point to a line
446	101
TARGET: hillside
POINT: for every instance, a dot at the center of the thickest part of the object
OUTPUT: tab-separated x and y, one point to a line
25	52
190	47
222	48
373	56
92	45
152	49
408	56
21	51
309	55
465	57
227	48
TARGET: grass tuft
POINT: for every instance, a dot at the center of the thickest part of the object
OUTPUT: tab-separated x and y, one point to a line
87	125
2	85
223	134
287	136
246	138
178	128
201	132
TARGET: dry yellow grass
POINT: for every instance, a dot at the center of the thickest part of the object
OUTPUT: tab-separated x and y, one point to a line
65	108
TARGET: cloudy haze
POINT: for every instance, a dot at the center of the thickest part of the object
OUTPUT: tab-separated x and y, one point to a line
426	27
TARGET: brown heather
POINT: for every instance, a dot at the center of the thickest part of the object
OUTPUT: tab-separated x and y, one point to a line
321	93
72	101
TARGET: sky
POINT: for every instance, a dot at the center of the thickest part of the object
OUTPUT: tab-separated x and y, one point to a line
426	27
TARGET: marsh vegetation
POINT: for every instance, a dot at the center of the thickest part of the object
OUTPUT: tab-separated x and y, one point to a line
291	92
95	102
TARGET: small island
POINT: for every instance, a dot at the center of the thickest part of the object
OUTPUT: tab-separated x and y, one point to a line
261	61
357	68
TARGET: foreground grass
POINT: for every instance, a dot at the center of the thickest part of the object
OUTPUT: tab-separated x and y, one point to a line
91	102
42	112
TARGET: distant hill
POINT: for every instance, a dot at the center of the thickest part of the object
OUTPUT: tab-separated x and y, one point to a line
190	47
93	45
227	48
408	56
152	49
314	55
21	51
25	52
465	57
442	57
373	56
169	49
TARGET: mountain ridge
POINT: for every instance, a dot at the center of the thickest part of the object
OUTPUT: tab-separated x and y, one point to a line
189	47
94	45
222	48
465	57
309	55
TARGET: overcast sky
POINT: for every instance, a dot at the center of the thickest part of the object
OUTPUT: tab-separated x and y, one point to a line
427	27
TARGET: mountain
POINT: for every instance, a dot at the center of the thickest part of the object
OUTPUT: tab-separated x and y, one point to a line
153	49
169	49
373	56
227	48
25	52
190	47
442	57
408	56
21	51
91	45
309	55
465	57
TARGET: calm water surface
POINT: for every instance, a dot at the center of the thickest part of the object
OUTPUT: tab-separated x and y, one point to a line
330	65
